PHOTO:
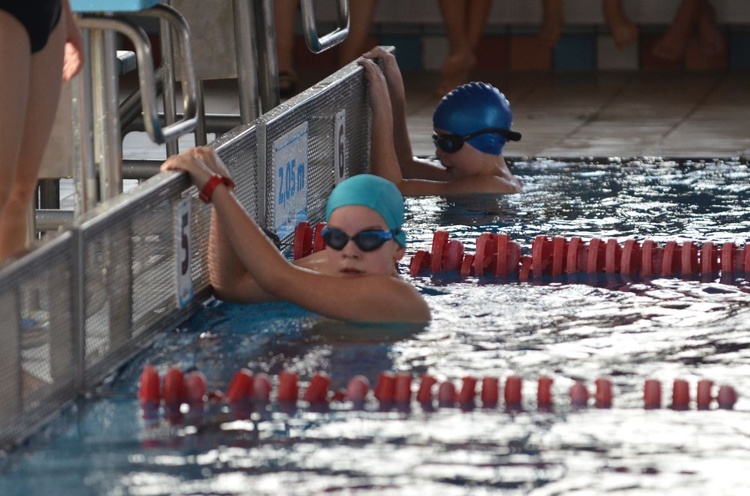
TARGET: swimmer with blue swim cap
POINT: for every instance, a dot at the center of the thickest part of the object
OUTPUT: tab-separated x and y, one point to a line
472	125
477	113
354	278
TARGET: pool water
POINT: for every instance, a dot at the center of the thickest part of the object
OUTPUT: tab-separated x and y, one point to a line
567	328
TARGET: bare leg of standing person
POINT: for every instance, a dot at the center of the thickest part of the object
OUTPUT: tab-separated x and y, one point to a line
711	40
622	28
464	24
285	14
362	13
28	102
671	46
552	22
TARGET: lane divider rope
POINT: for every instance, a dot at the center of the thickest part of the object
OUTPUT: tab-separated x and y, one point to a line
178	388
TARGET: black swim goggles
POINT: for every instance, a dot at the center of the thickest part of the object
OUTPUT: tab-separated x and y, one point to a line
451	143
365	240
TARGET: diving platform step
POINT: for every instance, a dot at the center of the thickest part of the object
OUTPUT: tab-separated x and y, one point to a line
111	5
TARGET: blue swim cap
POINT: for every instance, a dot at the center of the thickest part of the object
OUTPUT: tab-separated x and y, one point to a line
472	107
374	192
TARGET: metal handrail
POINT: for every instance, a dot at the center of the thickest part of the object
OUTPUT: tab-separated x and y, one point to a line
316	44
146	76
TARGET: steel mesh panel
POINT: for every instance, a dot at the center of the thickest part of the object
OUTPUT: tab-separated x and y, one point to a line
128	267
37	369
344	90
238	151
130	271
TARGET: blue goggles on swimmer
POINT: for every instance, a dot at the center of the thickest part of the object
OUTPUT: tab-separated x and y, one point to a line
365	240
451	143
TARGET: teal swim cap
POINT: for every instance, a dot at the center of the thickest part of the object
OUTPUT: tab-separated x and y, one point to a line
373	192
472	107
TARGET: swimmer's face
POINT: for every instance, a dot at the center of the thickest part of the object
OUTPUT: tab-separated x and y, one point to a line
351	261
466	162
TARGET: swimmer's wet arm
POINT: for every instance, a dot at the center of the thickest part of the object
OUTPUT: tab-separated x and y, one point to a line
229	278
463	186
397	100
383	159
364	299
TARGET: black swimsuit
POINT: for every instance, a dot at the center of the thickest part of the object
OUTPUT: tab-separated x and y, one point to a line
39	17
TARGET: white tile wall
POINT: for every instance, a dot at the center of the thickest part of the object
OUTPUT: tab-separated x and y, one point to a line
530	11
611	58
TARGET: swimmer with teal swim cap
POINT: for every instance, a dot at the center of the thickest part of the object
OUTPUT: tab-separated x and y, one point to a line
354	278
472	125
373	192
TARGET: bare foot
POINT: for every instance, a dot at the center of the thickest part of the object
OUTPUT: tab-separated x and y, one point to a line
456	71
671	46
552	22
623	30
709	36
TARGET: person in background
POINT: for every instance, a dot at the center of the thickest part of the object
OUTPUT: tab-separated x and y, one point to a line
361	13
39	42
472	124
353	279
620	26
694	18
464	21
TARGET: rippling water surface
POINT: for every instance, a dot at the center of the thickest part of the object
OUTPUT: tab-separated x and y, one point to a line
569	329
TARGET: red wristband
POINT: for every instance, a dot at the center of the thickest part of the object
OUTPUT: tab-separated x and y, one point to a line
211	184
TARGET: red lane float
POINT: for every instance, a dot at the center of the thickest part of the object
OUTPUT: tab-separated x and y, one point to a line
195	387
726	397
454	255
524	272
447	393
180	388
513	395
485	254
544	392
419	262
579	395
671	258
439	242
148	390
559	252
467	266
261	390
631	256
288	387
612	257
572	265
703	397
402	388
385	387
174	387
358	388
468	390
490	392
318	244
652	394
680	395
241	386
497	254
595	256
689	261
317	391
541	255
303	240
424	393
603	395
709	258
